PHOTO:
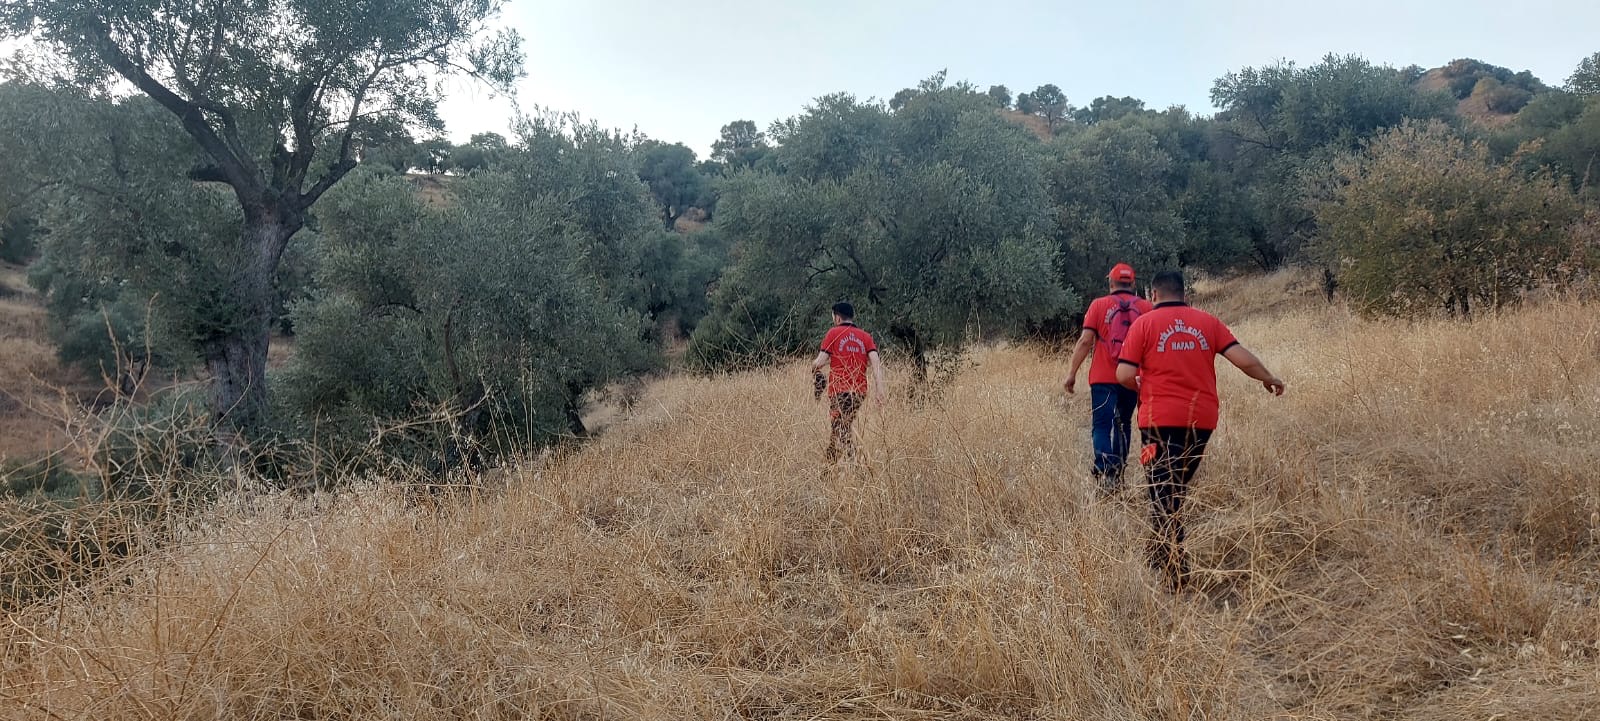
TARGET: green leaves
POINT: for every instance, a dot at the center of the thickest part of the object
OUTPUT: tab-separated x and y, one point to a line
1585	80
933	220
673	179
1425	221
501	308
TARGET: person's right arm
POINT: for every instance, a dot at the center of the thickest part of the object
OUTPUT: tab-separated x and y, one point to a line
1252	366
1080	353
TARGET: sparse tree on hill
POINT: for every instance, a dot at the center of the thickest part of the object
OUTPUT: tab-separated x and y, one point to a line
1281	125
1585	80
387	143
482	151
674	181
1026	105
740	145
433	156
1108	108
1051	104
1001	95
903	96
273	92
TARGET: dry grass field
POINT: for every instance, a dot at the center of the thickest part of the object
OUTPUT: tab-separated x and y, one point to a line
30	376
1412	532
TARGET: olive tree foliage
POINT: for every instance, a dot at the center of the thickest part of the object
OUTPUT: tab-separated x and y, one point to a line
1001	95
496	313
739	145
131	249
1112	187
481	151
933	220
1561	129
1585	80
274	93
1424	221
1108	107
1282	125
674	179
679	271
1051	104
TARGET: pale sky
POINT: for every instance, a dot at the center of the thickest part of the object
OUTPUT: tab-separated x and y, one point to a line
678	70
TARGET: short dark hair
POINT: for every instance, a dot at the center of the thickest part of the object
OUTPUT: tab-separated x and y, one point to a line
844	310
1169	282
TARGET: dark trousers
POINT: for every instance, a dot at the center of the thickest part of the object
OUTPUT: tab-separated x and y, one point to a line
1113	426
842	410
1170	468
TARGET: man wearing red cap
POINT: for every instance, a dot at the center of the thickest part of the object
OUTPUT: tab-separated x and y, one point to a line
1105	326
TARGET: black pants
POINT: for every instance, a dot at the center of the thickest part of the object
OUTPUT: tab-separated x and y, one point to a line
842	410
1172	457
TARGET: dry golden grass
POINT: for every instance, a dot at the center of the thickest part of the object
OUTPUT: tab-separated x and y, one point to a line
1410	533
30	377
1033	123
433	190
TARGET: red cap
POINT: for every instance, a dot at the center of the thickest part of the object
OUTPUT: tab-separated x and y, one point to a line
1122	273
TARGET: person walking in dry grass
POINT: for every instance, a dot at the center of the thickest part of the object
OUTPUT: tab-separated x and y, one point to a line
1168	357
1105	328
848	352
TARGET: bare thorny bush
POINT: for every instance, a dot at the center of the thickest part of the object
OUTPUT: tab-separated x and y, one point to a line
1411	533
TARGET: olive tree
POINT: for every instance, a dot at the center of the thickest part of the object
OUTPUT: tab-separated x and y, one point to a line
500	308
1425	221
933	220
274	93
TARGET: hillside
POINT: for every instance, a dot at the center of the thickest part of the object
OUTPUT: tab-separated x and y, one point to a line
1412	532
1488	95
30	376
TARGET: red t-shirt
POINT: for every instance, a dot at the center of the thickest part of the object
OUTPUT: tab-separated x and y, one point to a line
1175	347
847	347
1103	364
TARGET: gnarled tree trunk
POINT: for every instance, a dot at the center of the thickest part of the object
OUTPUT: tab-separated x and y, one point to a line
237	356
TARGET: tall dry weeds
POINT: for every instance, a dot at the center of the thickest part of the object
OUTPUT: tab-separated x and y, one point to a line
1412	532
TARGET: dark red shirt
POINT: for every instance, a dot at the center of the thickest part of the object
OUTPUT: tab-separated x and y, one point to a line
1175	348
1102	312
847	347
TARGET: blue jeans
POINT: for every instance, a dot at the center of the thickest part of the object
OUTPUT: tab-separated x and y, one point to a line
1113	425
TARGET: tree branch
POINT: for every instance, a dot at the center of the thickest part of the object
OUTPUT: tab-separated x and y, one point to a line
248	188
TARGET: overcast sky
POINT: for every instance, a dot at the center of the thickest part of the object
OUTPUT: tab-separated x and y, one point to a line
680	69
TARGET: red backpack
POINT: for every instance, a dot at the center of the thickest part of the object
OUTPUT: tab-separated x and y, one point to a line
1117	324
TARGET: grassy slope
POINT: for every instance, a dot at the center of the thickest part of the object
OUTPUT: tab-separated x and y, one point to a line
29	373
1410	533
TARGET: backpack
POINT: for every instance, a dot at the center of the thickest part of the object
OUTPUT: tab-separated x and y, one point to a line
1117	325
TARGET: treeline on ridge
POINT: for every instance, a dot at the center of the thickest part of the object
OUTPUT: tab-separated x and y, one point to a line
452	304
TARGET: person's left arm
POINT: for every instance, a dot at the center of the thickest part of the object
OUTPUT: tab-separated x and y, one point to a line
1252	366
820	361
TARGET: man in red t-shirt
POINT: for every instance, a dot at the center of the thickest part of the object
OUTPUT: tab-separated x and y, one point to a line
1105	328
1169	358
848	352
